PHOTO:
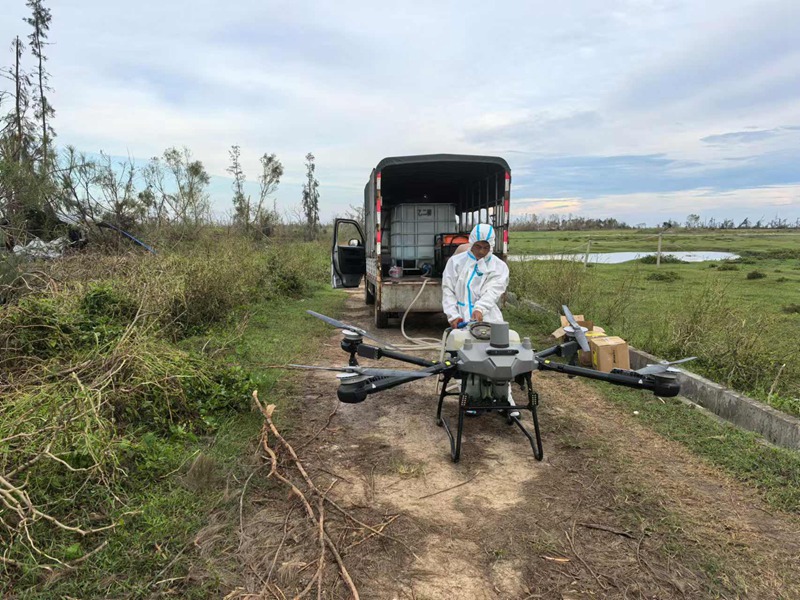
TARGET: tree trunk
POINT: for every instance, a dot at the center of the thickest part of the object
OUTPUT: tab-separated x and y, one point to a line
18	114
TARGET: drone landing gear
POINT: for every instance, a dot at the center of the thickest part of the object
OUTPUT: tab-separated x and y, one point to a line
534	439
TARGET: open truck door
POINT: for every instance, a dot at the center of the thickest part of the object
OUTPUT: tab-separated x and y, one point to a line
348	254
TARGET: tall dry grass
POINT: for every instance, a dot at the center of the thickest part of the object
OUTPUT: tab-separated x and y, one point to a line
94	387
736	346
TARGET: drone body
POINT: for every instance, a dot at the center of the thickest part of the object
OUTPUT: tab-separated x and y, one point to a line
486	358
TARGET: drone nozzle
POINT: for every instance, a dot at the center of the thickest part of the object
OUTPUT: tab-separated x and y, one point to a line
499	335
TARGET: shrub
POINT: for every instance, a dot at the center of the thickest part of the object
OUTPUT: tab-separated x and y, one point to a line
756	274
782	280
652	259
727	266
791	309
777	253
667	276
551	283
108	302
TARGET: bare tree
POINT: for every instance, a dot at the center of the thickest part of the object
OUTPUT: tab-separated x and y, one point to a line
241	202
40	21
268	181
176	189
77	186
311	199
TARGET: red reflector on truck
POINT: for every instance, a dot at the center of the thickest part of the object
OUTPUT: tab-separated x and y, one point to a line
505	236
378	205
505	206
378	236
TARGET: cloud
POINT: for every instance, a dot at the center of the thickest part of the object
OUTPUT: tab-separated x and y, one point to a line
748	137
651	208
586	100
739	137
594	176
734	63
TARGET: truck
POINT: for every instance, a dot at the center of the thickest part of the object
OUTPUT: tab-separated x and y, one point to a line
417	211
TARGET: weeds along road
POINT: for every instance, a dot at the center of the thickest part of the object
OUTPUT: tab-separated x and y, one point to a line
613	511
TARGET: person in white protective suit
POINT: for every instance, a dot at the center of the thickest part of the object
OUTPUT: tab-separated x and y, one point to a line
473	282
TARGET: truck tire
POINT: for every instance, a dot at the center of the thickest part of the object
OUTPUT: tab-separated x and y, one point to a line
381	319
369	296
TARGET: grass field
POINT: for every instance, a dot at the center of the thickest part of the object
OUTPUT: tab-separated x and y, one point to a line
736	316
744	241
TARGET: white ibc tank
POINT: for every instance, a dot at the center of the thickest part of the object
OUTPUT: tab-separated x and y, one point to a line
413	227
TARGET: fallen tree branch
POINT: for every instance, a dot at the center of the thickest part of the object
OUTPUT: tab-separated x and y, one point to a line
450	488
267	412
608	529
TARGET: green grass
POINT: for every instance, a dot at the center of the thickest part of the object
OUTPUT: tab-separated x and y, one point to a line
156	545
774	472
717	311
737	241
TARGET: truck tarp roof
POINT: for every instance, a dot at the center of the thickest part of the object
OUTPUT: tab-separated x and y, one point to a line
458	162
437	177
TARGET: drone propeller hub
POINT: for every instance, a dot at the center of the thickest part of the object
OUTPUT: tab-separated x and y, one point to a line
350	377
571	330
351	335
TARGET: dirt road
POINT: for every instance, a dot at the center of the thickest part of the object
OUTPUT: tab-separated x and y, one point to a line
613	511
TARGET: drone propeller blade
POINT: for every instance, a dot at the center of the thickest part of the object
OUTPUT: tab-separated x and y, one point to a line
353	328
580	335
366	371
662	366
316	368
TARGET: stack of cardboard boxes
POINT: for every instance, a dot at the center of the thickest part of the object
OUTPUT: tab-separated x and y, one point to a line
607	352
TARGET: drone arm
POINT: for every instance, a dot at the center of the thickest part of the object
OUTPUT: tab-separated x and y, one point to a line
660	386
565	349
375	353
352	393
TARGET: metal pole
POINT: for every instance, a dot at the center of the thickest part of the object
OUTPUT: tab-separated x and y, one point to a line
588	250
658	256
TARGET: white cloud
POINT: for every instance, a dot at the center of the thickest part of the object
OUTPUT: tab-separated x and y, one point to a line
355	81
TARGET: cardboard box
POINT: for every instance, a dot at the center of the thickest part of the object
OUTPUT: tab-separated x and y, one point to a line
609	352
585	358
559	333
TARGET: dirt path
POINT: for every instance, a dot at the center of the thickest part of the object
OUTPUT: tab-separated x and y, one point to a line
613	511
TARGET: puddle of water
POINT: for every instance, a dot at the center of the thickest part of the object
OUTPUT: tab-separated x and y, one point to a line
613	258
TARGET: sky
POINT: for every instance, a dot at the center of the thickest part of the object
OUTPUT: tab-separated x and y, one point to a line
643	110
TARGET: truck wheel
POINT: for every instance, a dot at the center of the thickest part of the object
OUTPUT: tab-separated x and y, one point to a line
369	296
381	319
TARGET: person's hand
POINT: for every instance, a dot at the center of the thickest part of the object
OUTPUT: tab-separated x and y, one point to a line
454	323
477	316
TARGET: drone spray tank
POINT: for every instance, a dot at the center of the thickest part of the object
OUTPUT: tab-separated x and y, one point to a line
491	358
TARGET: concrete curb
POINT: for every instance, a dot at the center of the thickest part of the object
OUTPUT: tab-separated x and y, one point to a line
777	427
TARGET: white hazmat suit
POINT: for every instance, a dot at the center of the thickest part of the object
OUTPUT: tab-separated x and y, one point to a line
469	284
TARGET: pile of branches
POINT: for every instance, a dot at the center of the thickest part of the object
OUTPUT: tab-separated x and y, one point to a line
330	565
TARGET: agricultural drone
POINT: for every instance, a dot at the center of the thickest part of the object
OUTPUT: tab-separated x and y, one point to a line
486	358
